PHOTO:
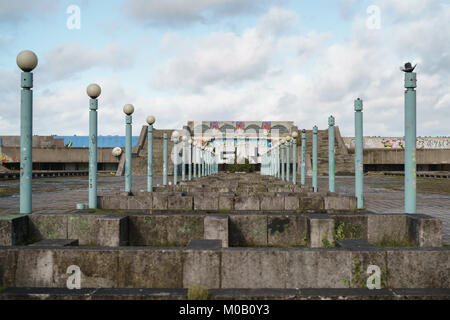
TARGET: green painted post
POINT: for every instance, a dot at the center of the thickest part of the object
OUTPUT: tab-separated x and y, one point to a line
315	148
93	91
175	137
183	159
283	141
150	121
128	109
294	157
303	164
359	155
190	159
410	139
278	161
27	61
165	159
331	162
194	159
288	159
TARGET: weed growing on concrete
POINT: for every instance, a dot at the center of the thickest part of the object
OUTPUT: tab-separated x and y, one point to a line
198	293
347	231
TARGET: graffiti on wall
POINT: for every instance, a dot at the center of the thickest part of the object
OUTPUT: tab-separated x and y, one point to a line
399	143
6	158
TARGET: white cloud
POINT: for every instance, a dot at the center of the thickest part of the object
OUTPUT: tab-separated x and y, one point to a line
178	13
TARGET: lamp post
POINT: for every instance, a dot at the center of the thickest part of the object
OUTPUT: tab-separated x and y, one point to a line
194	158
359	155
165	159
314	177
93	91
190	160
331	179
175	137
128	109
150	121
410	138
303	165
294	157
27	61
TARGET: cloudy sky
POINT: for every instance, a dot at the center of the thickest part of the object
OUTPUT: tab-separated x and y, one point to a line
243	60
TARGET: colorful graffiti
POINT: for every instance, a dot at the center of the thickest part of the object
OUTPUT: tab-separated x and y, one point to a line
266	126
214	125
6	158
240	125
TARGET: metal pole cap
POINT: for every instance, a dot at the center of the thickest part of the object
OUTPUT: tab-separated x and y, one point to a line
358	105
331	121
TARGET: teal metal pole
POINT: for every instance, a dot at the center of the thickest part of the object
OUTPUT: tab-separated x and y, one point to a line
410	142
303	164
288	161
26	143
175	162
314	177
93	105
204	162
282	161
150	158
190	160
128	160
165	156
183	162
195	157
294	162
331	163
359	154
278	162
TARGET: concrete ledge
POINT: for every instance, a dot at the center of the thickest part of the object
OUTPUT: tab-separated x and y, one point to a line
223	294
13	230
55	243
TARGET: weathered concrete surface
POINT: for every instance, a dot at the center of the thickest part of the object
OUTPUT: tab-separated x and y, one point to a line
55	243
216	227
112	231
202	268
320	231
247	203
165	230
13	230
47	226
336	203
387	229
425	231
248	230
206	202
287	230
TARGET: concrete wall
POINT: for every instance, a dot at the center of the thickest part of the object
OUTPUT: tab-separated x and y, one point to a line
398	143
431	156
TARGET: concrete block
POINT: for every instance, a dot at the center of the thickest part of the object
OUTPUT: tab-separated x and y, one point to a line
180	203
8	264
226	202
83	227
291	203
311	204
318	269
164	230
425	231
112	231
247	203
140	201
150	268
387	229
112	201
35	268
258	268
99	267
13	230
320	232
288	230
247	230
334	203
202	268
206	202
272	203
160	202
418	268
47	226
216	227
351	227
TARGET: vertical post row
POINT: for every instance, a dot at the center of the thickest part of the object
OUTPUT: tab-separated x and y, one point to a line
359	154
150	121
27	61
331	162
303	165
93	91
410	141
165	158
314	177
294	157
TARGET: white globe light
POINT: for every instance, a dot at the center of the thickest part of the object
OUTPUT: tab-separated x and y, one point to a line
93	90
295	134
151	120
27	60
128	109
116	152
